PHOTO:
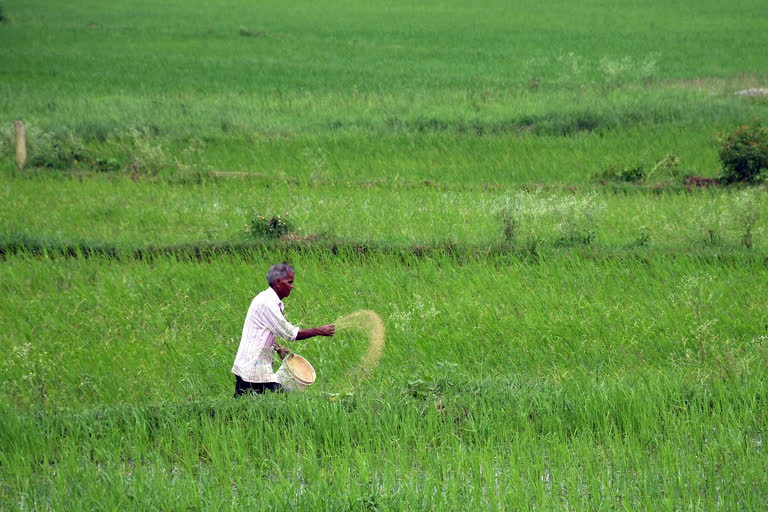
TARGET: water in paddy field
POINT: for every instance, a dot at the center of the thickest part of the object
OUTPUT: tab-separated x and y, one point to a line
371	323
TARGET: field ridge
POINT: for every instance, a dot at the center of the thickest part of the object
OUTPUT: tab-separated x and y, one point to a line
360	250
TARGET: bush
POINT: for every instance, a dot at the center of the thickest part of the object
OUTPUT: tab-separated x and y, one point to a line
667	168
744	155
63	150
273	226
56	151
107	165
617	174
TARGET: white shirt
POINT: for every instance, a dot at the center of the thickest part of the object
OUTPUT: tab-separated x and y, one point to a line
264	321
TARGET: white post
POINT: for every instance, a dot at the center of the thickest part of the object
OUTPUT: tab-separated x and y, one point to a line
21	145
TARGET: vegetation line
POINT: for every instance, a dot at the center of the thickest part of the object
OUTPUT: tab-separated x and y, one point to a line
362	250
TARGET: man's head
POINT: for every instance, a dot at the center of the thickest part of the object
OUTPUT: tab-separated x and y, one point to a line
280	279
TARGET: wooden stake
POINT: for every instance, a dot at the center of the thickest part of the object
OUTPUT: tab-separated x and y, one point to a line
21	145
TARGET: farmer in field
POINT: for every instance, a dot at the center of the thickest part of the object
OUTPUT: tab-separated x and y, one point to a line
265	320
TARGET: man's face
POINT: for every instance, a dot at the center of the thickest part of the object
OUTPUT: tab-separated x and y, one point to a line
283	286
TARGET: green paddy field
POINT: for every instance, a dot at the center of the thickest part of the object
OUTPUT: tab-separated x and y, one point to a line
556	338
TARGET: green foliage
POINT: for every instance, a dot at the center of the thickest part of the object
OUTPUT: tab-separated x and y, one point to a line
667	168
575	218
271	226
620	174
147	155
511	212
644	238
744	155
744	212
56	150
578	218
422	386
107	165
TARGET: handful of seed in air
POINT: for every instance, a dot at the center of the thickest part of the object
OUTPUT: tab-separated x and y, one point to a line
371	323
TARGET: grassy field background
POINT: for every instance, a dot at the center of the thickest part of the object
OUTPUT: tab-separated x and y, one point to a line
403	85
553	340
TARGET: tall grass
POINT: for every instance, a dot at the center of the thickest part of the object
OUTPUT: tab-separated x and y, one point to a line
615	383
585	444
111	212
183	320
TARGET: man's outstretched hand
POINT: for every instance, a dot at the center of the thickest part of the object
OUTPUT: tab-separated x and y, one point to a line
327	330
323	330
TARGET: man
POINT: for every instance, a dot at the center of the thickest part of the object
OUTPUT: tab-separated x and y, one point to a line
265	320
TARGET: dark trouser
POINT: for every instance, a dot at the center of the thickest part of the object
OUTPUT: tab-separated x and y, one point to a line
242	387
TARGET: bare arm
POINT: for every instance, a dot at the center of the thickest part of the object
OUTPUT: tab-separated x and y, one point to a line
324	330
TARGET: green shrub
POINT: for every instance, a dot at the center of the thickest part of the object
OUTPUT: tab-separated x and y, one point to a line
668	167
273	226
56	151
666	172
744	155
618	174
107	165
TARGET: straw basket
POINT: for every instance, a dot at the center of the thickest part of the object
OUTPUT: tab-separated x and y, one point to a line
295	374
